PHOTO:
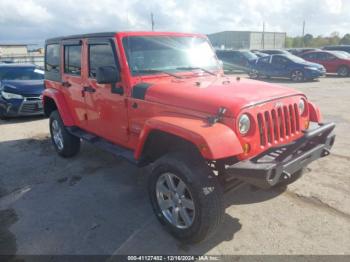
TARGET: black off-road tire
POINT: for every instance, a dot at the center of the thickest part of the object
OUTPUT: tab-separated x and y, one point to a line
343	71
71	144
206	191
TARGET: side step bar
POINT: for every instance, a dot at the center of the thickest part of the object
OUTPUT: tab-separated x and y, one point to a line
104	144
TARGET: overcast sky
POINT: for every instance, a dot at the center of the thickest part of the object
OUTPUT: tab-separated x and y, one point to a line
34	20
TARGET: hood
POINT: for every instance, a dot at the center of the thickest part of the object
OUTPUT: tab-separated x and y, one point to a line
208	95
306	63
23	87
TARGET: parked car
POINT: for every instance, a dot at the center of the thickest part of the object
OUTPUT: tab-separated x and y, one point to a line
21	86
161	99
333	61
274	52
236	59
345	48
289	66
300	51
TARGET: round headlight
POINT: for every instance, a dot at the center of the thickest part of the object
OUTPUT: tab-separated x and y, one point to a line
244	124
301	106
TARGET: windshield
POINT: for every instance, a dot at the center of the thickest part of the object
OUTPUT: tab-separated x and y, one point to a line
341	54
151	54
21	73
295	59
249	55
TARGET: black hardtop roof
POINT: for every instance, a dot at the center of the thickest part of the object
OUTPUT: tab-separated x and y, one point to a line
72	37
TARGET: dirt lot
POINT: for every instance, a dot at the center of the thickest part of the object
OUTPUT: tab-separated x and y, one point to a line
97	204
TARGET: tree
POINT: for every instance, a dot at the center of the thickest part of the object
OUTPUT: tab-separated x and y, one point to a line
345	40
308	38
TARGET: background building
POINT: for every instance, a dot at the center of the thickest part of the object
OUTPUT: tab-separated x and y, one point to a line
20	53
248	40
13	49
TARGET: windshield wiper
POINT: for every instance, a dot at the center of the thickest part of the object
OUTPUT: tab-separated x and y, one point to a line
146	71
196	68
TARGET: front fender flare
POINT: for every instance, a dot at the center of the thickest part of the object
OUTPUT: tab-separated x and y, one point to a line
314	113
213	141
61	104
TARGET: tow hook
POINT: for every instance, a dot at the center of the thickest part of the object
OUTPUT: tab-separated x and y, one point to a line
325	152
286	175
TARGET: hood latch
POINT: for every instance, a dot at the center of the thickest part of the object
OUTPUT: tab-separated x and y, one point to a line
214	119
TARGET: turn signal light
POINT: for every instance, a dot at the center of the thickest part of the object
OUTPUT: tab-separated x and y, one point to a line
307	123
246	148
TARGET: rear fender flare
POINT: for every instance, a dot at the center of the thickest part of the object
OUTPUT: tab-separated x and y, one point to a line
212	141
61	104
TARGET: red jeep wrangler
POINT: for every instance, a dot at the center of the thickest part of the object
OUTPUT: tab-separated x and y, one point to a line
162	99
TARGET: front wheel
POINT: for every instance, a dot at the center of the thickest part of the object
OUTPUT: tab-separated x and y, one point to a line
65	144
297	76
186	196
253	74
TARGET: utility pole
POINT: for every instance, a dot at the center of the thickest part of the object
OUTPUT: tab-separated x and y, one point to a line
263	36
152	21
303	43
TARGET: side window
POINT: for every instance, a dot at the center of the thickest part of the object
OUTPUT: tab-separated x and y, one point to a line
309	56
100	55
72	59
52	58
329	57
264	60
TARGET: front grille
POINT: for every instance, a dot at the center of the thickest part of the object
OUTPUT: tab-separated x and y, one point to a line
31	108
278	124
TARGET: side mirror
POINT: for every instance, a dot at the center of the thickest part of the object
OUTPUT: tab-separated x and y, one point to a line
107	75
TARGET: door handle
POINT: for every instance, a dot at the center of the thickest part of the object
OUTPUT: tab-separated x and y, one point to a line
66	84
89	89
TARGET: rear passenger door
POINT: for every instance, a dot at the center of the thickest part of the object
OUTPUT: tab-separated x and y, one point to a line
106	109
72	80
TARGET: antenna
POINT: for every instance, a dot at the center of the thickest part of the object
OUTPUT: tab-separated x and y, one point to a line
303	40
152	21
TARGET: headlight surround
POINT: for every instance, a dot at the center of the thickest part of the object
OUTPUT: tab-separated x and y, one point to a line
8	96
244	124
301	106
311	68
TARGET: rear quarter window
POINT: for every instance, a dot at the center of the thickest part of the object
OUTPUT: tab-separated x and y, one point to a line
52	62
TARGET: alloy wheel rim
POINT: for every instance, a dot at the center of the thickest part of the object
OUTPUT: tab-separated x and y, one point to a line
57	134
297	76
343	71
175	201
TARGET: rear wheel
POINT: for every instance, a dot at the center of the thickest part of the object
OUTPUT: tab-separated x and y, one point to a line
343	71
186	196
297	76
65	144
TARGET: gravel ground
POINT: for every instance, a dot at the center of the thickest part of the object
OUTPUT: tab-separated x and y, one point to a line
97	204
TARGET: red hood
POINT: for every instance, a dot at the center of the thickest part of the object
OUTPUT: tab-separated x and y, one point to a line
208	94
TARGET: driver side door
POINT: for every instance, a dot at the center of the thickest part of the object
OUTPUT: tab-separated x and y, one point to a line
106	110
